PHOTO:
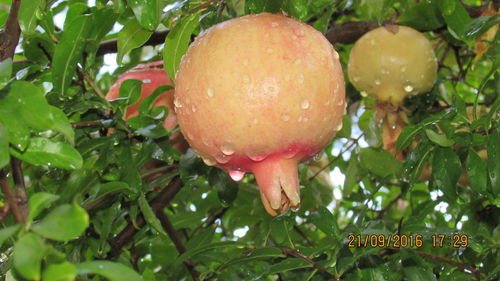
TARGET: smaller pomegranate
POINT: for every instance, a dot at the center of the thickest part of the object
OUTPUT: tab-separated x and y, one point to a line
390	63
152	76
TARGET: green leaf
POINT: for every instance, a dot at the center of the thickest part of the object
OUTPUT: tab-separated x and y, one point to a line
297	9
111	270
280	230
227	189
259	6
147	102
69	52
287	265
150	216
423	16
369	125
322	23
477	171
380	162
38	202
42	151
208	247
131	89
439	139
417	159
25	105
5	71
257	254
59	272
132	36
8	232
177	42
406	136
480	25
326	222
147	12
64	223
27	16
446	169
418	273
28	254
494	160
4	146
457	20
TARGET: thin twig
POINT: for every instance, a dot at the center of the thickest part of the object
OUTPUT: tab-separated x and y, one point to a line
87	123
11	199
93	85
354	141
320	268
473	270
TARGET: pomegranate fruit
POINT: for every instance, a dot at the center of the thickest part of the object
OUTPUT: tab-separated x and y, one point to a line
152	75
259	94
392	64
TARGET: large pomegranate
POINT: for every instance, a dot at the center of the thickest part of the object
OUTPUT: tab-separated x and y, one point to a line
259	94
390	63
152	76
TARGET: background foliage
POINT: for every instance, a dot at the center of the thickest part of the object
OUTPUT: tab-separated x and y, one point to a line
78	204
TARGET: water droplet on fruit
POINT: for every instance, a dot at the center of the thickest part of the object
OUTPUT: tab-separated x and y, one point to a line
193	108
305	119
227	148
403	69
246	79
146	81
422	76
289	153
245	62
294	37
372	42
335	55
300	78
304	104
327	103
299	119
377	82
287	77
338	127
177	103
255	121
408	88
208	161
269	51
285	117
204	140
222	158
210	92
236	175
384	71
190	136
274	24
298	61
355	79
257	156
363	94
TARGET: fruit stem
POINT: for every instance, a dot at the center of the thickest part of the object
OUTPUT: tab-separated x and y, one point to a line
279	184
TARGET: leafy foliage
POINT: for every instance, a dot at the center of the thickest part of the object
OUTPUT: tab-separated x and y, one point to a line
89	196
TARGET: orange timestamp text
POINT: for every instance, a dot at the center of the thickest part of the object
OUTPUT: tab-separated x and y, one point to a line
406	241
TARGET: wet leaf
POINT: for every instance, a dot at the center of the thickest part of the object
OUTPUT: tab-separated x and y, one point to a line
28	254
64	223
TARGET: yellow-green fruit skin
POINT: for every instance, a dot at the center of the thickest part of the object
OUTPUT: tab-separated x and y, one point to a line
390	66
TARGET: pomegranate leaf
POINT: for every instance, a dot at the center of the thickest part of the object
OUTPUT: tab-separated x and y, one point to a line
132	36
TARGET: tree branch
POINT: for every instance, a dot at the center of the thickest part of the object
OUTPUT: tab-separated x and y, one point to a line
179	245
473	270
161	200
21	197
9	37
320	268
11	199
